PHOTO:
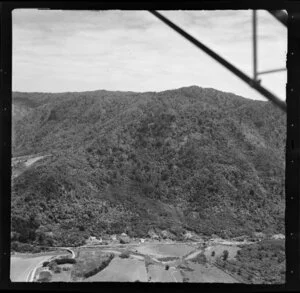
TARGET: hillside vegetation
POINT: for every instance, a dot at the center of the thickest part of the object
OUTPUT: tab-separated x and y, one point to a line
191	158
260	263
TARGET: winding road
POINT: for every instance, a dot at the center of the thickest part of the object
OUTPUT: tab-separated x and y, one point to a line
23	268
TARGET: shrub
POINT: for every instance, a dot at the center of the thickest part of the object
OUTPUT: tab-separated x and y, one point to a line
124	240
213	253
45	263
44	276
102	265
168	258
200	258
225	254
52	265
177	231
125	254
24	247
90	263
62	261
57	270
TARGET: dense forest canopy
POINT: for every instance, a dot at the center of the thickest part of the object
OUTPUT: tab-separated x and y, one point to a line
186	159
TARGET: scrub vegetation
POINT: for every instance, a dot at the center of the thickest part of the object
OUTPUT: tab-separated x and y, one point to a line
89	263
261	263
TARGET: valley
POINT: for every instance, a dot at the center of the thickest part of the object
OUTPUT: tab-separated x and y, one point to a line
151	261
144	263
188	171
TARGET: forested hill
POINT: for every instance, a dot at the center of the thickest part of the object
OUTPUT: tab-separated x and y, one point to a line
190	158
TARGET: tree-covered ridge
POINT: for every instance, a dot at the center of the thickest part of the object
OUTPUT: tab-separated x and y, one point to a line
190	158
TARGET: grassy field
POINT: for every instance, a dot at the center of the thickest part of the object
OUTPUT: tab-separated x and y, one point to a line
205	273
122	270
157	273
165	250
218	249
154	263
90	262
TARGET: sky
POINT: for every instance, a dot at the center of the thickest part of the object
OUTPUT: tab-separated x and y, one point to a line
60	51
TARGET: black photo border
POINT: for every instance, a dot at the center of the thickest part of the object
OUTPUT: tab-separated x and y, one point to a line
292	180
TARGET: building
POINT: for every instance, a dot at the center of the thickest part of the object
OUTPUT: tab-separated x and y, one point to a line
278	236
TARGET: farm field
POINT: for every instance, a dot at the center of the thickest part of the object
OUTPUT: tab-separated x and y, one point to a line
219	248
206	273
165	250
122	270
144	262
136	268
157	273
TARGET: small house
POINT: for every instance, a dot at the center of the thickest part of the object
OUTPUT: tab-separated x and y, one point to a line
278	236
152	234
124	239
188	235
259	235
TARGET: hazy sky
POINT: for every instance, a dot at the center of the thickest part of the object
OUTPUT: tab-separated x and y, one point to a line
57	51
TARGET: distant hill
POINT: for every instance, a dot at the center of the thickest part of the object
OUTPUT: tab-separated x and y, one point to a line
190	158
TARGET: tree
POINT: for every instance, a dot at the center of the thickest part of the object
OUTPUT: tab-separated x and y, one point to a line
125	254
225	254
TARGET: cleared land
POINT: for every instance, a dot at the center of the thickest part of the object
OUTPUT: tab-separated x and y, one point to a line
148	262
132	269
158	273
31	161
165	250
122	270
20	164
206	273
218	249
